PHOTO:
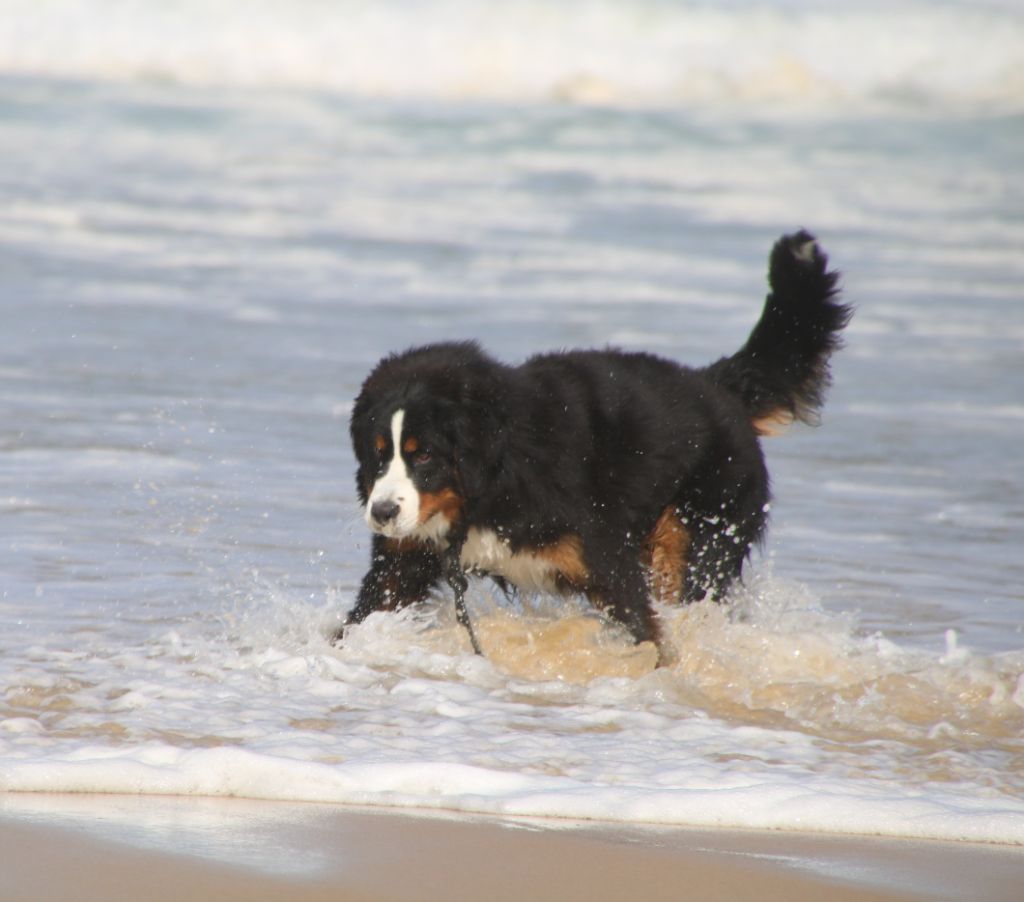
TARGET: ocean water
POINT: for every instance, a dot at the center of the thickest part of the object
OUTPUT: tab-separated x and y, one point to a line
211	227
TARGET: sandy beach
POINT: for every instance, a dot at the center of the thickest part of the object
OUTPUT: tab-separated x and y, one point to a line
113	847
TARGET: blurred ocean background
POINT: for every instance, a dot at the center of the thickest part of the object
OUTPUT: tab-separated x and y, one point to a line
216	216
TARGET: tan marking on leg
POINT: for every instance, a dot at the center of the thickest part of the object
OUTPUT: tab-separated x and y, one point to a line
566	557
665	556
447	502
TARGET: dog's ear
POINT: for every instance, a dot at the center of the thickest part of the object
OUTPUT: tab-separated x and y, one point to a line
360	431
475	460
480	431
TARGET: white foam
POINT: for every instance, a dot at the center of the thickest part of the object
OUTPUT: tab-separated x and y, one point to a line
776	716
646	51
787	801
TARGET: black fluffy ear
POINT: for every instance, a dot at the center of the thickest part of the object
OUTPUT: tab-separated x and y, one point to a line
480	435
474	463
359	432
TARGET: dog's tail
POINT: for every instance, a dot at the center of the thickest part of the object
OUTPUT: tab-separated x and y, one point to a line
782	372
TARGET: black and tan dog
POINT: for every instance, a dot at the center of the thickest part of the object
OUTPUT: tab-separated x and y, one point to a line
617	475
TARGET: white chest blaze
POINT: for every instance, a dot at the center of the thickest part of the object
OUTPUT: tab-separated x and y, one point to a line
395	485
486	552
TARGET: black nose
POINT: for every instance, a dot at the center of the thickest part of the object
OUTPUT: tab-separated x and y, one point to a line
384	511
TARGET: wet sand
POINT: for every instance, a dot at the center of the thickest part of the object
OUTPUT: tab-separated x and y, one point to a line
157	848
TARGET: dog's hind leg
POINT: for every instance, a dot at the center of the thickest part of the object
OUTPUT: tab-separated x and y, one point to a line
716	562
665	555
720	545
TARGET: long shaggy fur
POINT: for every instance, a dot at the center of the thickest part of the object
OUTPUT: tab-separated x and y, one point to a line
620	476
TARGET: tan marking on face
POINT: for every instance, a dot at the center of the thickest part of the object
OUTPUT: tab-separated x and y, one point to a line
566	557
447	502
665	556
775	422
380	443
410	445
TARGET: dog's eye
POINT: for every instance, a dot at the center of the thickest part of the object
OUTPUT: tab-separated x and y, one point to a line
422	457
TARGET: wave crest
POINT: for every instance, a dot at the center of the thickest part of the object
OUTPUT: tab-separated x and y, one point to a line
645	52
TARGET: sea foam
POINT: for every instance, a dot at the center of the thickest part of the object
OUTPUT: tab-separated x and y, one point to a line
775	715
806	52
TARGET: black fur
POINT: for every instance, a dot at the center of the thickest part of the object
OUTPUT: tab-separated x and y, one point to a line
594	449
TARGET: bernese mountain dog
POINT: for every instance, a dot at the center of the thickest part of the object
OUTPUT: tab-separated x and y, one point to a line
621	476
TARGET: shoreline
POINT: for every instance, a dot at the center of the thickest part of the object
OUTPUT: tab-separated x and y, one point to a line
94	847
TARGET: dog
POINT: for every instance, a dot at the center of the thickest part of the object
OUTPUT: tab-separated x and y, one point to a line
620	476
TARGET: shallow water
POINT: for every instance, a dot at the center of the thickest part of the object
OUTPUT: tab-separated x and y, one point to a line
197	280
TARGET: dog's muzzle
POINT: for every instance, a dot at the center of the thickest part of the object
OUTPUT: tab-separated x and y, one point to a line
384	512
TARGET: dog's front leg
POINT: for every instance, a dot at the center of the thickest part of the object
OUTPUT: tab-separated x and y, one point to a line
400	574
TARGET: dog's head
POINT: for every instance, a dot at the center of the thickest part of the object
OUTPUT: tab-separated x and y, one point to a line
425	434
